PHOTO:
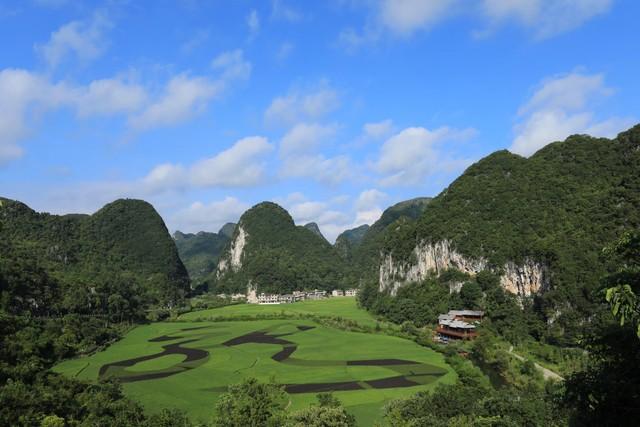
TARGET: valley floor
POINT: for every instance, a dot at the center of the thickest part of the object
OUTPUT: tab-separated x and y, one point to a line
188	363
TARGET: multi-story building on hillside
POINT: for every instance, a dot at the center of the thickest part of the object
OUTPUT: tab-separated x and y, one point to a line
458	324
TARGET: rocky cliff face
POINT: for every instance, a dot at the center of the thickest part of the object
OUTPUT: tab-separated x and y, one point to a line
435	258
234	258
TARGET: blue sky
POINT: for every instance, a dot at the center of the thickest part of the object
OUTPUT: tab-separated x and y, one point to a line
334	109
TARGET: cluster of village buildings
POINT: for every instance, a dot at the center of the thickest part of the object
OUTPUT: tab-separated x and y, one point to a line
254	298
458	324
454	325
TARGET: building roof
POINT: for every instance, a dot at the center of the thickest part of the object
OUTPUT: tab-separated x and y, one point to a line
474	313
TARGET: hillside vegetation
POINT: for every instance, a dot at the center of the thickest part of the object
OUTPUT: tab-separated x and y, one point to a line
200	252
560	207
280	257
362	247
126	241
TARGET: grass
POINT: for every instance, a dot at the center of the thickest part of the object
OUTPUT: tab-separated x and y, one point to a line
320	357
345	307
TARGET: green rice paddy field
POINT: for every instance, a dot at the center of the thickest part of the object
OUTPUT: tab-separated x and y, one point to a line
187	364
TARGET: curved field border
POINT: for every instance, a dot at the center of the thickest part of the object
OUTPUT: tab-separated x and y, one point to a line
410	373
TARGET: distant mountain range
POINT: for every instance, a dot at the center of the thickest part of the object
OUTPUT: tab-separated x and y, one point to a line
539	222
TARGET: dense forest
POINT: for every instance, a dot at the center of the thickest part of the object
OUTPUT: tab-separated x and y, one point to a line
281	257
126	240
558	207
200	252
361	247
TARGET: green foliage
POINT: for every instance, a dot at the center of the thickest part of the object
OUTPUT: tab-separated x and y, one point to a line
471	295
606	392
623	286
364	252
328	413
126	241
313	227
558	207
200	252
348	240
251	404
462	405
280	257
421	303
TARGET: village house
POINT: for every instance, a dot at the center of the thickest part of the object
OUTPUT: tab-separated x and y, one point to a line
337	293
458	324
351	292
254	298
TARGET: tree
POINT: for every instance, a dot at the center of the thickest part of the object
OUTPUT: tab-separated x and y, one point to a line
471	295
607	391
623	286
251	404
327	413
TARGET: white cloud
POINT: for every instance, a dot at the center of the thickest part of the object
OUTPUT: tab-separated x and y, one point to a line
307	211
334	216
328	170
378	130
26	95
545	18
370	198
239	166
253	22
282	12
82	39
415	153
232	65
165	176
330	221
299	106
570	92
560	107
109	96
404	17
208	216
305	137
187	96
198	38
183	98
284	51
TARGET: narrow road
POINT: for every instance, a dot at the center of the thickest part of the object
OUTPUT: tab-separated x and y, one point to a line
546	373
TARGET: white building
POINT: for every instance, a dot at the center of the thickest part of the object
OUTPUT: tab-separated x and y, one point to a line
351	292
337	293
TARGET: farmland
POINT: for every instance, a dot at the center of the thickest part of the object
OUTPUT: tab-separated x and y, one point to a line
186	364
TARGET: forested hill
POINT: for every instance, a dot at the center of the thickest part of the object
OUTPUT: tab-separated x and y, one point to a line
269	251
200	252
560	207
126	239
362	246
349	239
312	226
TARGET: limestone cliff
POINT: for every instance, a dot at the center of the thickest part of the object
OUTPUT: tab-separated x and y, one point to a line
233	258
434	258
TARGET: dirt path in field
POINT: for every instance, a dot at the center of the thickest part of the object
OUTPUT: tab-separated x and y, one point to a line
547	374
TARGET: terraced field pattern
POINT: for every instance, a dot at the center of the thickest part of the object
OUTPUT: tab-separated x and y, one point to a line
187	364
